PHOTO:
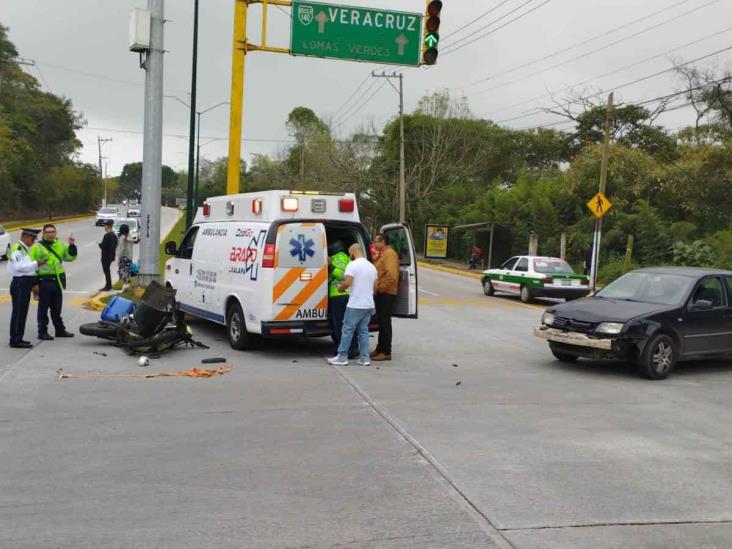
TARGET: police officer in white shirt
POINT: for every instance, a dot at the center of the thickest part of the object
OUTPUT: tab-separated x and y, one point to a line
23	269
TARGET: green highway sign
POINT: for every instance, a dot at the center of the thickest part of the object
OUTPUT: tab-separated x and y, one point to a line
357	34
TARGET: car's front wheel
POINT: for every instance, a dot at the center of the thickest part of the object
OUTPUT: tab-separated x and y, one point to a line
488	288
560	356
659	357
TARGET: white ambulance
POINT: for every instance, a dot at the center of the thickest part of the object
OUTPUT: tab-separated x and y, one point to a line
258	262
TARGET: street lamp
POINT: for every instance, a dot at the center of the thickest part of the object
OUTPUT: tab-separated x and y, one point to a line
198	149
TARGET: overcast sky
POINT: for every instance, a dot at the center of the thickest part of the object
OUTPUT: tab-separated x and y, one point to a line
80	48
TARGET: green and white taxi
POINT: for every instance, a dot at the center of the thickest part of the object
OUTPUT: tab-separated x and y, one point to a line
532	276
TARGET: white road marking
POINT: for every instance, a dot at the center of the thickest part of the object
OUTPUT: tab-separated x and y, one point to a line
428	292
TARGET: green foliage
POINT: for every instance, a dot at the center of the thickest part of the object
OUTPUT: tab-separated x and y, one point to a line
695	254
611	270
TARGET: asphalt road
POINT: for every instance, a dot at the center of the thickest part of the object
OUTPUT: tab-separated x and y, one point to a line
84	276
472	437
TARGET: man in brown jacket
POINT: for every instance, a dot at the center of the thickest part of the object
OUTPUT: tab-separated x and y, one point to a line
387	283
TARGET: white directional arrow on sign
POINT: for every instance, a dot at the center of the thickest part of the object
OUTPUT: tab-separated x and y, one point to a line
401	41
322	19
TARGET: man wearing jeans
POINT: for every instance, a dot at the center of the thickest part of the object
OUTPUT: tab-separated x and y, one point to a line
359	279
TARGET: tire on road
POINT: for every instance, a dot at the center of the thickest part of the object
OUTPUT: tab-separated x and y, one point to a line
488	288
236	329
560	356
526	296
100	329
659	357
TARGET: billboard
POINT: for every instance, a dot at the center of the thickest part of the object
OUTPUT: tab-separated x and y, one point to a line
436	241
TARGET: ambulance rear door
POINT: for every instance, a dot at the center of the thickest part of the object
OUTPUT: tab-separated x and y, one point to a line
301	273
401	240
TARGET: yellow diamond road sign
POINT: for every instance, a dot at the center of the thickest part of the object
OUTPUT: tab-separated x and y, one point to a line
599	205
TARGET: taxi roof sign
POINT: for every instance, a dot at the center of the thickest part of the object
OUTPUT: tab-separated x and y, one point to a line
599	205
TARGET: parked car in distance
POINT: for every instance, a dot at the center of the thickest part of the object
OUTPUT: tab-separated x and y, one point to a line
134	211
4	243
532	276
133	223
106	214
651	317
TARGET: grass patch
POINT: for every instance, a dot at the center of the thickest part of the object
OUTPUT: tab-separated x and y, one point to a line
175	234
13	225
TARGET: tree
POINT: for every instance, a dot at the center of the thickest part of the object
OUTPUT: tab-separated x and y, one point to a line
130	181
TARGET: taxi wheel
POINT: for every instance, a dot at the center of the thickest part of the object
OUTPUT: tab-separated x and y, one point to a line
526	296
562	357
488	288
659	357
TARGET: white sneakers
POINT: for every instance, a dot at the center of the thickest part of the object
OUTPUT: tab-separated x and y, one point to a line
339	361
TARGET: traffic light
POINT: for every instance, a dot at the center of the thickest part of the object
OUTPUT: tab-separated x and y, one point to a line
431	32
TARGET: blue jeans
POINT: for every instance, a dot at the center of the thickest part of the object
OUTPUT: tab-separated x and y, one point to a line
355	321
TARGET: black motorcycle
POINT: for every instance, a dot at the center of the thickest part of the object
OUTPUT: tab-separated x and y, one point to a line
157	325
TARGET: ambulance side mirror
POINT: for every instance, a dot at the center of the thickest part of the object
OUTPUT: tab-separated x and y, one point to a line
171	248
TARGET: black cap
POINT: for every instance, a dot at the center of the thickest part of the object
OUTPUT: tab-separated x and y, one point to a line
30	232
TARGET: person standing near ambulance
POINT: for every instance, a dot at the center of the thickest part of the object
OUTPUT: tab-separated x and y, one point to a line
338	261
52	280
360	278
387	288
23	270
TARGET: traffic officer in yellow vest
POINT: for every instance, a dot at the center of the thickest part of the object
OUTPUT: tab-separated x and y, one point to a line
23	270
52	280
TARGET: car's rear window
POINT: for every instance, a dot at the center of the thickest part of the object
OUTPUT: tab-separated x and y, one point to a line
552	266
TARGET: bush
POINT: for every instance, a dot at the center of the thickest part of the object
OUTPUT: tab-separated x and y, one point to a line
612	270
696	254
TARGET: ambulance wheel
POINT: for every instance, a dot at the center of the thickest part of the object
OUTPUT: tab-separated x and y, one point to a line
236	329
488	288
526	296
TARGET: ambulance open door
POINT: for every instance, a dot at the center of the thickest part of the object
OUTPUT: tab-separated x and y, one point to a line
401	240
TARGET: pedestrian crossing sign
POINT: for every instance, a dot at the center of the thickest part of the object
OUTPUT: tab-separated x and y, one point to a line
599	205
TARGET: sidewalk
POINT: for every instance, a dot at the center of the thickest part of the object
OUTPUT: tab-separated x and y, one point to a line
450	266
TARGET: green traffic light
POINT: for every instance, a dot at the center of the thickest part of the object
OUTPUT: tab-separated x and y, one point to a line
431	40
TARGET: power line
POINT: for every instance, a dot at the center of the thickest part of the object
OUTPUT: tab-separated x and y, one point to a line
355	91
182	136
362	105
623	68
350	110
475	20
520	16
631	83
592	52
43	78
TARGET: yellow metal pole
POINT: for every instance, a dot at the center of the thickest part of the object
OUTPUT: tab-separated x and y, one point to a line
264	23
239	52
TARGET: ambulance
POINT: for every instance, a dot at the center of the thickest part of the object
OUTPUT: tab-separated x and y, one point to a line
258	263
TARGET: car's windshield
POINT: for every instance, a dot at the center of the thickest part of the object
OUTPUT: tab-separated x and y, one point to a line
108	210
662	289
552	266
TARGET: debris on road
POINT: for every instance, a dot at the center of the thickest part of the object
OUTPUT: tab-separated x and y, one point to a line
455	366
458	383
98	353
193	372
215	360
143	362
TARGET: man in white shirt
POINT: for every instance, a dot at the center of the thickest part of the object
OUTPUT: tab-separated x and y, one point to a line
359	279
23	269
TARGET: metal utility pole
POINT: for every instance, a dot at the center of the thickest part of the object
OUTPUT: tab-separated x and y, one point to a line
191	141
152	148
101	142
402	169
198	151
603	182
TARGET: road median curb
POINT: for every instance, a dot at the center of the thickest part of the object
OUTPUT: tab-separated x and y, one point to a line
452	270
13	226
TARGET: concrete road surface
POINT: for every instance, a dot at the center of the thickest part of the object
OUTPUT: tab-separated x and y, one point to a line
473	436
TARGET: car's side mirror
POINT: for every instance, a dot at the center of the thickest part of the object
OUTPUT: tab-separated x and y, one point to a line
171	248
702	305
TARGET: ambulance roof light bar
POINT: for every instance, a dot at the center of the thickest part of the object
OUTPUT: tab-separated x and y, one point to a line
346	205
290	204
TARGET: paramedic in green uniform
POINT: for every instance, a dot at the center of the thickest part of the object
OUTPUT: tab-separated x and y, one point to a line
52	280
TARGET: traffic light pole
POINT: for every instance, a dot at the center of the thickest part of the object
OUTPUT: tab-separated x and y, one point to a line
402	168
